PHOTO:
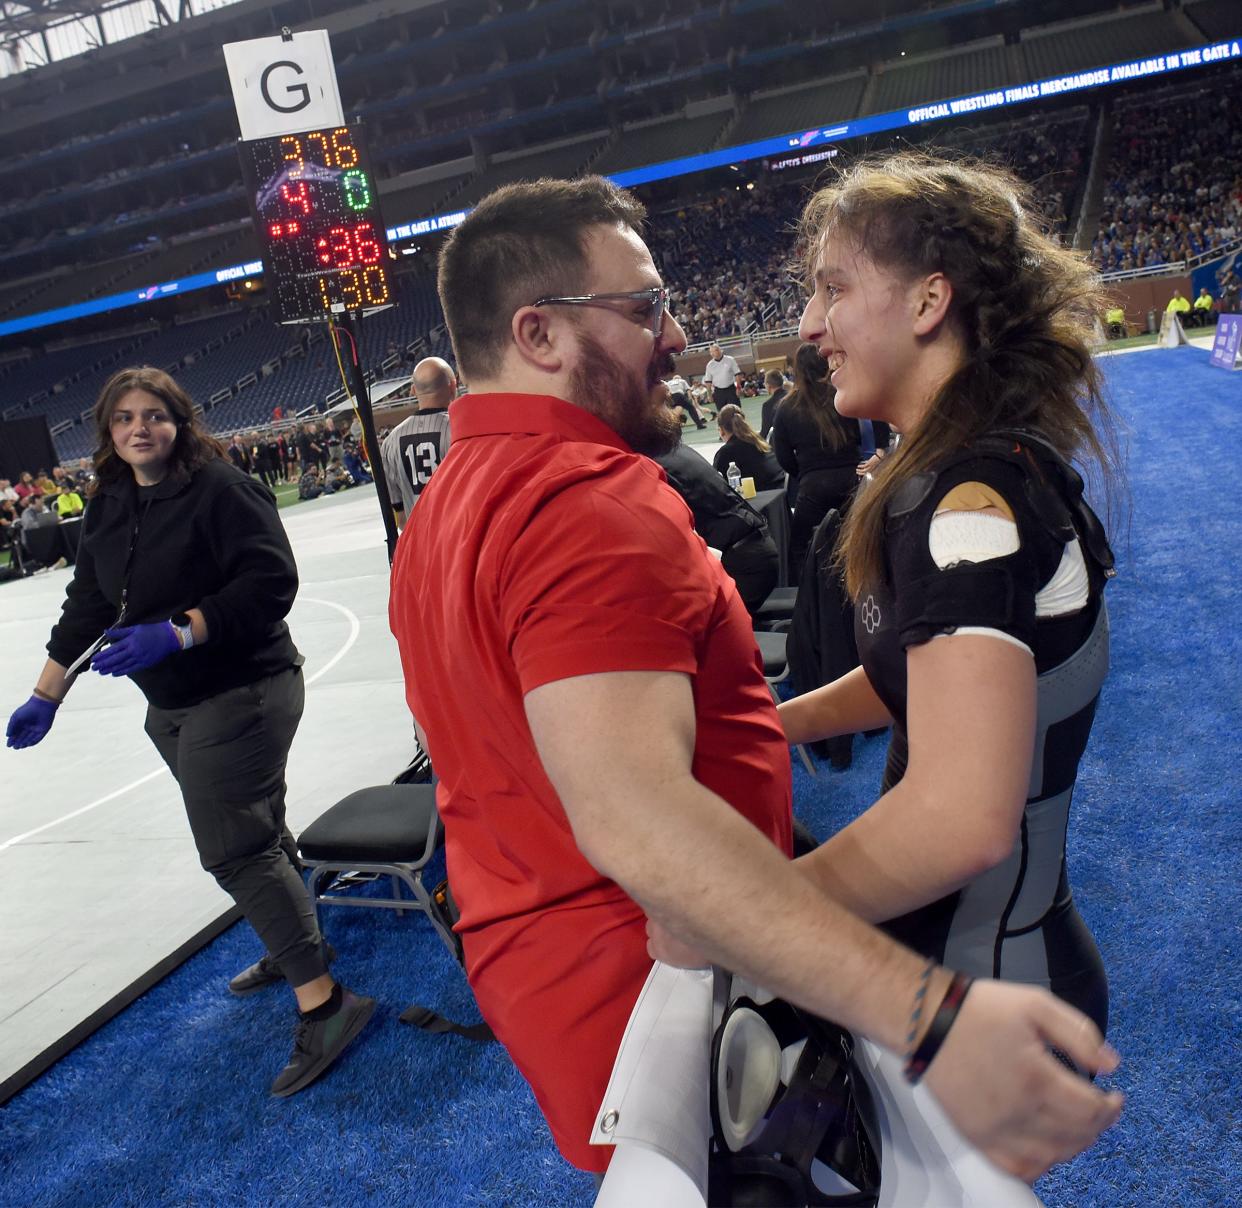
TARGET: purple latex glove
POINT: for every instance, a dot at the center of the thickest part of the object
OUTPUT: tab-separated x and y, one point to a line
31	722
136	647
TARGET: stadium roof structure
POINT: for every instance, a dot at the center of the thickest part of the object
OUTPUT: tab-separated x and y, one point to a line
38	32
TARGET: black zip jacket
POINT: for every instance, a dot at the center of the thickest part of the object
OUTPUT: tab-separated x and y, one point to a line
800	446
721	516
213	542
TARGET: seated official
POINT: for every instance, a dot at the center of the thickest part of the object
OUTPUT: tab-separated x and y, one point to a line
744	448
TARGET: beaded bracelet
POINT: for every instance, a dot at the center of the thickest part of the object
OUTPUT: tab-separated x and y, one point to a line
942	1021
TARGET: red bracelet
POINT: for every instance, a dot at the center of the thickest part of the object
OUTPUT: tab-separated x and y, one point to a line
942	1021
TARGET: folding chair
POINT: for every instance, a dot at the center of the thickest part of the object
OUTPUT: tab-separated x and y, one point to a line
392	830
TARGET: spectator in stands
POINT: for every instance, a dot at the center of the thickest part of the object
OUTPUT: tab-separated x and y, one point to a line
744	448
26	486
46	484
723	377
193	611
817	447
1177	304
774	382
630	774
419	443
1203	315
944	311
7	493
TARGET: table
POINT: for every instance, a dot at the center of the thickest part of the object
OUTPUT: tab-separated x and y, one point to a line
52	541
774	508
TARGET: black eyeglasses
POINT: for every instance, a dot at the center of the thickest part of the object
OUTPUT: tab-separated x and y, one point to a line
656	299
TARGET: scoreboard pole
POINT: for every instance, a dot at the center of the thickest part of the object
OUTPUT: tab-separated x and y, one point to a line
362	397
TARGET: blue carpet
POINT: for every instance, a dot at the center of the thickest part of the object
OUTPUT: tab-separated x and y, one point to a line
168	1104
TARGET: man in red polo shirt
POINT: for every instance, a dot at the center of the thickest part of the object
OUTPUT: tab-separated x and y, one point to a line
589	691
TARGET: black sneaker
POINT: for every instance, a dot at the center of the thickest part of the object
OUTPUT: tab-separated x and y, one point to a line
266	972
317	1043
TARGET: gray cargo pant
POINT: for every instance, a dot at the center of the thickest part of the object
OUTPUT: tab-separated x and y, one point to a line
228	754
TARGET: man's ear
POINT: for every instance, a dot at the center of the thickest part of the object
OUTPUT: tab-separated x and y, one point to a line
538	338
932	297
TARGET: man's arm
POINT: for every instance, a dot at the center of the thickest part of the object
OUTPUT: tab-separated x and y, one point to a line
618	749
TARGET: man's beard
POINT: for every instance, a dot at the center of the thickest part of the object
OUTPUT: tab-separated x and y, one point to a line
601	385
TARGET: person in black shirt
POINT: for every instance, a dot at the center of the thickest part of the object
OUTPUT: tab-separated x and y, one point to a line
817	447
185	572
727	523
744	448
775	384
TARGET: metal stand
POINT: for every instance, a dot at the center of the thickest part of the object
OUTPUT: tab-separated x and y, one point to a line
362	399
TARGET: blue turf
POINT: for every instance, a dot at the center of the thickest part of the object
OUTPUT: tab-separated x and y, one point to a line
167	1105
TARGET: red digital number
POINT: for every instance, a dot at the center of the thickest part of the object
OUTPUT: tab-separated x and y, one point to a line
345	247
298	196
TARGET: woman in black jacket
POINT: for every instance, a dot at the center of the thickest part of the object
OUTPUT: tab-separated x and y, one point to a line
744	448
183	579
817	447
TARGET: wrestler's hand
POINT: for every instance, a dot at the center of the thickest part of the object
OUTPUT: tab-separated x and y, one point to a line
663	945
1007	1093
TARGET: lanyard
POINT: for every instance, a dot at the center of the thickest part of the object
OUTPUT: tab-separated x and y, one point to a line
139	517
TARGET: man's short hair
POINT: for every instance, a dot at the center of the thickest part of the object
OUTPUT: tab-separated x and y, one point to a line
522	242
773	377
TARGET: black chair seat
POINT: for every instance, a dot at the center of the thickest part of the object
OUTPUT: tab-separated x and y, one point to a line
772	650
388	824
779	606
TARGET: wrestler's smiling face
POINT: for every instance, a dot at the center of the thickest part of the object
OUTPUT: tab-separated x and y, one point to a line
860	317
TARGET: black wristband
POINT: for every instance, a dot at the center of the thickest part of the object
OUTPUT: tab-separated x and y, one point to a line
942	1021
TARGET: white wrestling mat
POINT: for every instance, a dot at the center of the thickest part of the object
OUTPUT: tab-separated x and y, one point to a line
101	892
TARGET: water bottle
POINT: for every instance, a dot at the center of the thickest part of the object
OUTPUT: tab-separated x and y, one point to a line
734	477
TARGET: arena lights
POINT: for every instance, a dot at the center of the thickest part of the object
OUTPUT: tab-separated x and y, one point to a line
314	205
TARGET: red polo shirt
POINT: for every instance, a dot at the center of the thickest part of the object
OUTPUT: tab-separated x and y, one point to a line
543	549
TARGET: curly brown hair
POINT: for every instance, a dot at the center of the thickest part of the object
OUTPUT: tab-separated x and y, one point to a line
1026	309
193	447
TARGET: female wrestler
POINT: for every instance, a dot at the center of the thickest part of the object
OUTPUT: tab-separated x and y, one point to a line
185	569
976	567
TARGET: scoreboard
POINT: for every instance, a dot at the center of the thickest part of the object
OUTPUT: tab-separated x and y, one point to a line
316	211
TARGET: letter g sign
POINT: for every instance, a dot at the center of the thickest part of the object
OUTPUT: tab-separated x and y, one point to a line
290	90
284	85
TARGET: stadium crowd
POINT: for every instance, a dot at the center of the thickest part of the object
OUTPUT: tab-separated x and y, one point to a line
1175	186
